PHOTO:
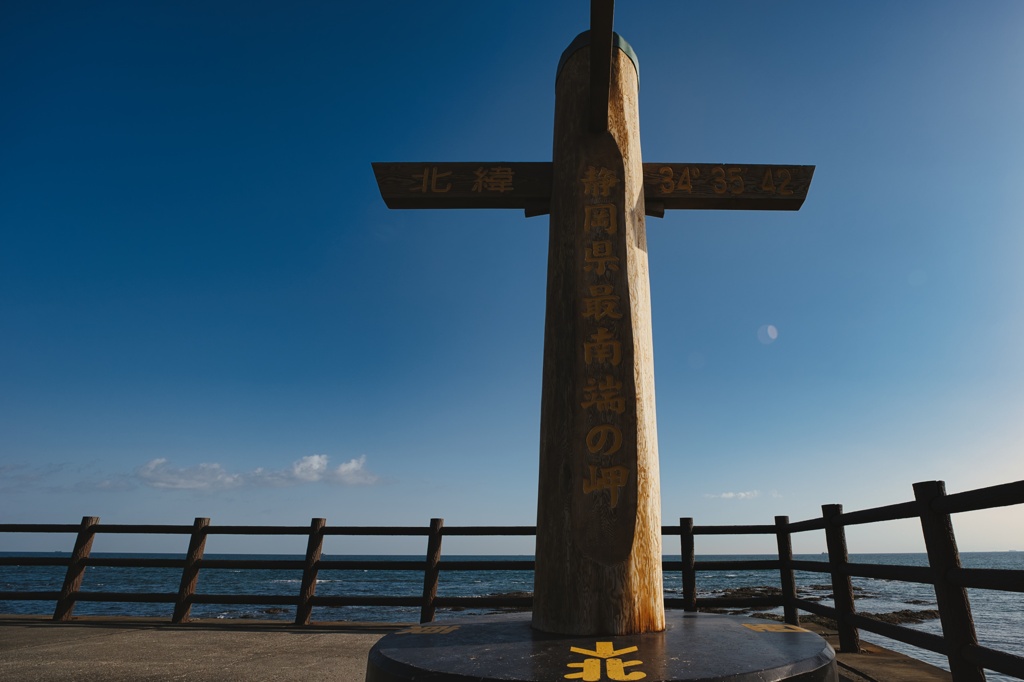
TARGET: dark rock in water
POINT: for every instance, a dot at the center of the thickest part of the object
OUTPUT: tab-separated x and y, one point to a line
892	618
768	616
905	616
759	591
735	611
512	595
277	610
804	618
496	609
828	588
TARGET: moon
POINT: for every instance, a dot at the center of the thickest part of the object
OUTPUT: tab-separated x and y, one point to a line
767	334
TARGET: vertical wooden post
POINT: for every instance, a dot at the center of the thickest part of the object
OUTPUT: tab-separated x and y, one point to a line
686	545
314	548
432	570
76	569
784	541
943	557
190	573
842	586
598	556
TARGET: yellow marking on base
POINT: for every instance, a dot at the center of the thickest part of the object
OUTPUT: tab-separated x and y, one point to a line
428	630
589	670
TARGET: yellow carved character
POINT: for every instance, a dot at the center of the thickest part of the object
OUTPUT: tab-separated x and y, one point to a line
497	179
598	182
602	347
600	257
611	478
605	396
600	217
601	303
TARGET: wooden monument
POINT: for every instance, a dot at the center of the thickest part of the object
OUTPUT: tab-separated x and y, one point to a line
598	554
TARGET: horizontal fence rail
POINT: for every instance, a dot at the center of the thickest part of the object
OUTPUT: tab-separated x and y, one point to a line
932	507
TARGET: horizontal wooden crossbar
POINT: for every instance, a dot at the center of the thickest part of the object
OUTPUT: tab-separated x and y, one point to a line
527	186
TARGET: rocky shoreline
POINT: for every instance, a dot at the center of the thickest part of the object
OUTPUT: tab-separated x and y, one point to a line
899	617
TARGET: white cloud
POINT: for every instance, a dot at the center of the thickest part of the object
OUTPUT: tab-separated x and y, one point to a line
311	468
158	473
352	472
747	495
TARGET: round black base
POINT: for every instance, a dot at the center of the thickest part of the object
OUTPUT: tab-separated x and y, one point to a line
694	646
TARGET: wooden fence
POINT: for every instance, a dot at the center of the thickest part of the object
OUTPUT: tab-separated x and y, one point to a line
967	659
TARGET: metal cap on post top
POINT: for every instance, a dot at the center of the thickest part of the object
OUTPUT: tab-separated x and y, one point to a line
602	41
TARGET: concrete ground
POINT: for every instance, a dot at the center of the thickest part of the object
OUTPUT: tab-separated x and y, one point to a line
875	664
100	649
33	648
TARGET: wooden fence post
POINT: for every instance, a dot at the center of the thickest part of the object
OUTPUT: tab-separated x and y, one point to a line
943	557
689	557
431	571
842	586
76	569
190	573
784	541
314	547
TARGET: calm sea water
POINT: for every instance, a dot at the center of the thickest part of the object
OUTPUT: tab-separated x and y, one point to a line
998	616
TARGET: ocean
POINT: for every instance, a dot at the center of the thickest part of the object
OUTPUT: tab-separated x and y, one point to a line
998	616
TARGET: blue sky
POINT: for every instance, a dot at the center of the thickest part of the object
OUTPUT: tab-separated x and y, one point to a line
207	310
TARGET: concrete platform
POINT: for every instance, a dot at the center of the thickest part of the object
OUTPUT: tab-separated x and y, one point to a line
33	648
693	646
123	650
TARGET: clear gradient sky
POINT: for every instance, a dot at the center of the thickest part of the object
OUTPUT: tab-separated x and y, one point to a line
207	310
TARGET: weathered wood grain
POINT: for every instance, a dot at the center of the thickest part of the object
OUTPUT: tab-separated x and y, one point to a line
598	565
310	569
190	572
527	186
732	186
473	184
65	607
